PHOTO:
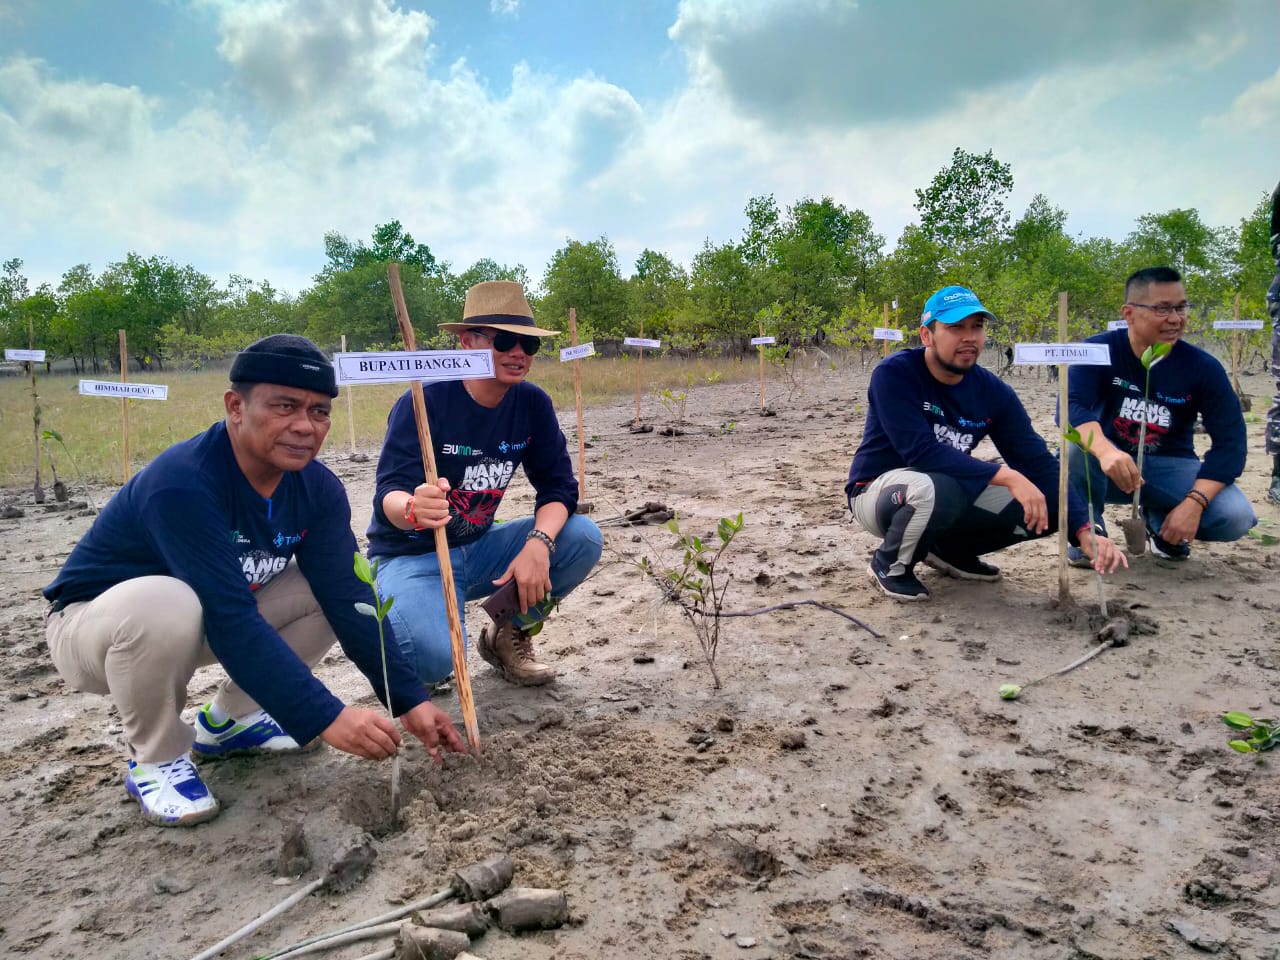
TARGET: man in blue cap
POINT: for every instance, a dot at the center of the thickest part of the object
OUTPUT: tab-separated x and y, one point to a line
914	482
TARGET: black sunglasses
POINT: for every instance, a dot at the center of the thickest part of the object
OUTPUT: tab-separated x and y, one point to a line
504	340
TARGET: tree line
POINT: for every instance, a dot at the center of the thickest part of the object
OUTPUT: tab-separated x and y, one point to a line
814	271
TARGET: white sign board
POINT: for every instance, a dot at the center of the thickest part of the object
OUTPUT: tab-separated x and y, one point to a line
763	341
1118	325
1232	325
895	304
36	356
587	349
1088	354
400	366
640	342
124	391
886	333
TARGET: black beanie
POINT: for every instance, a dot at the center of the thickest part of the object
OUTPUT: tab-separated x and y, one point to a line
288	360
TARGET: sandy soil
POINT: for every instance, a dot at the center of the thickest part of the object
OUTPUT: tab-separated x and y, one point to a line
848	793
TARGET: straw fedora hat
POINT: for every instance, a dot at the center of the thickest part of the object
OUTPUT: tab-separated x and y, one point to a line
500	304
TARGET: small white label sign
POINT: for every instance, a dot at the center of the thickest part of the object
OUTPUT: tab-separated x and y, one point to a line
36	356
886	333
587	349
895	304
124	391
1118	325
1088	354
1237	324
763	341
640	342
402	366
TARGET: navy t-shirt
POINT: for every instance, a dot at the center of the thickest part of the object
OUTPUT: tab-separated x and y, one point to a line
191	514
477	449
916	421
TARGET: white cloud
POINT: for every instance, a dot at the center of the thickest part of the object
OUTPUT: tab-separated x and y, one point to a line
504	8
1257	108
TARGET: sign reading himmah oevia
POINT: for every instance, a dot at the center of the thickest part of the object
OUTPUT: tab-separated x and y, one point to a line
1088	354
124	391
401	365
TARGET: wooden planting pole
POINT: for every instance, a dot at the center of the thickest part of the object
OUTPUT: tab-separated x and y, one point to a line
351	414
886	323
37	491
1235	347
1064	421
456	639
577	398
762	367
124	403
639	365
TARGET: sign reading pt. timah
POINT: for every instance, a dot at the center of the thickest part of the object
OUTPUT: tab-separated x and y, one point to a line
400	366
1089	354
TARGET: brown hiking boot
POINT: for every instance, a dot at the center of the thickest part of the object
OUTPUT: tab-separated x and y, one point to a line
509	650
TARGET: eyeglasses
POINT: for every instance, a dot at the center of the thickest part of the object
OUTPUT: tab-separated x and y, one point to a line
504	340
1164	309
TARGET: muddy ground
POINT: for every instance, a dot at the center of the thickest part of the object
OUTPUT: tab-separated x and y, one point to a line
849	792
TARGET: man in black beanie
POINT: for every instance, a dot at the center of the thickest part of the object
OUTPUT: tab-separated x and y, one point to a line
232	547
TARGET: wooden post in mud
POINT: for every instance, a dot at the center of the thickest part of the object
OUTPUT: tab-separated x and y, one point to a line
761	348
1064	421
351	415
124	404
639	365
886	323
577	399
1235	347
37	492
456	639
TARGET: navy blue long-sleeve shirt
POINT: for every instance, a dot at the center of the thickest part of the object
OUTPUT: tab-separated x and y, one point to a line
1187	382
917	422
477	449
191	514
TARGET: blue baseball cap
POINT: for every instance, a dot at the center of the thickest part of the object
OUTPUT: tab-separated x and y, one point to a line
951	305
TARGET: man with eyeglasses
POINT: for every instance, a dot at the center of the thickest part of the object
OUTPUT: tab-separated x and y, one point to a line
1273	308
233	547
482	431
1182	497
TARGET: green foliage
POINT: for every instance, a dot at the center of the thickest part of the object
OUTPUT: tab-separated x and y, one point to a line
1259	735
585	276
963	210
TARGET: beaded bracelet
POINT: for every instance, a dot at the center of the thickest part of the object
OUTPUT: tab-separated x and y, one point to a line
1198	497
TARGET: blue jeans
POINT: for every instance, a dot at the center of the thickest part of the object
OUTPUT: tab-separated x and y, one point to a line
418	614
1166	481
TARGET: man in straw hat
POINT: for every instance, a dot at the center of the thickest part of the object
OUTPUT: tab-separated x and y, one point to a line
233	547
482	431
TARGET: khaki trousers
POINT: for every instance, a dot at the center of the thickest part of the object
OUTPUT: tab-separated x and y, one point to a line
142	640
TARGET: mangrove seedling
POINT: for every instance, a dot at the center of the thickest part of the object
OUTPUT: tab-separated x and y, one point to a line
1073	435
54	435
367	572
1257	734
1135	528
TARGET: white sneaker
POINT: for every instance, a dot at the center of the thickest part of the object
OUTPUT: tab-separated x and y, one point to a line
171	794
256	733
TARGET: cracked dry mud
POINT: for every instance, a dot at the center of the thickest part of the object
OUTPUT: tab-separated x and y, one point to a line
843	796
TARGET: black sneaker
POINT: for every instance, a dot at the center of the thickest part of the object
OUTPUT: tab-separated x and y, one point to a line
963	568
1165	550
903	586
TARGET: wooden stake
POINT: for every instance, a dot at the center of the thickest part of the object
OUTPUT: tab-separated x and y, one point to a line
1064	421
1235	348
124	403
577	398
456	639
886	323
351	414
762	368
37	491
639	365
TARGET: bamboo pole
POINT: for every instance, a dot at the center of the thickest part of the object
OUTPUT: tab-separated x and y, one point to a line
351	413
1235	348
124	403
639	365
37	492
761	351
886	324
577	399
1064	421
456	639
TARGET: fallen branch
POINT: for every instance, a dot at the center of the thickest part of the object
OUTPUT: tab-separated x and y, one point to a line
803	603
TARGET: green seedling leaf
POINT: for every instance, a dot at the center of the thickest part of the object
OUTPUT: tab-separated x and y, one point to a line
1237	720
1010	691
1266	539
366	609
1240	746
1155	353
384	606
674	526
362	569
51	435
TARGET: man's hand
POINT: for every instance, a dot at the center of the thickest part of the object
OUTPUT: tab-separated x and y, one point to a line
432	726
1106	556
1120	468
431	504
1035	511
1182	523
364	733
532	571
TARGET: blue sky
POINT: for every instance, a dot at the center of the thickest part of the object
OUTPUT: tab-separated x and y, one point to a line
232	134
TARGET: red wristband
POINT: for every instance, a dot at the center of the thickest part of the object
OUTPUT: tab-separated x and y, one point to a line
409	515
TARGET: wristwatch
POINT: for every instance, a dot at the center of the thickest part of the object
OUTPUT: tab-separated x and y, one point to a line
536	534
